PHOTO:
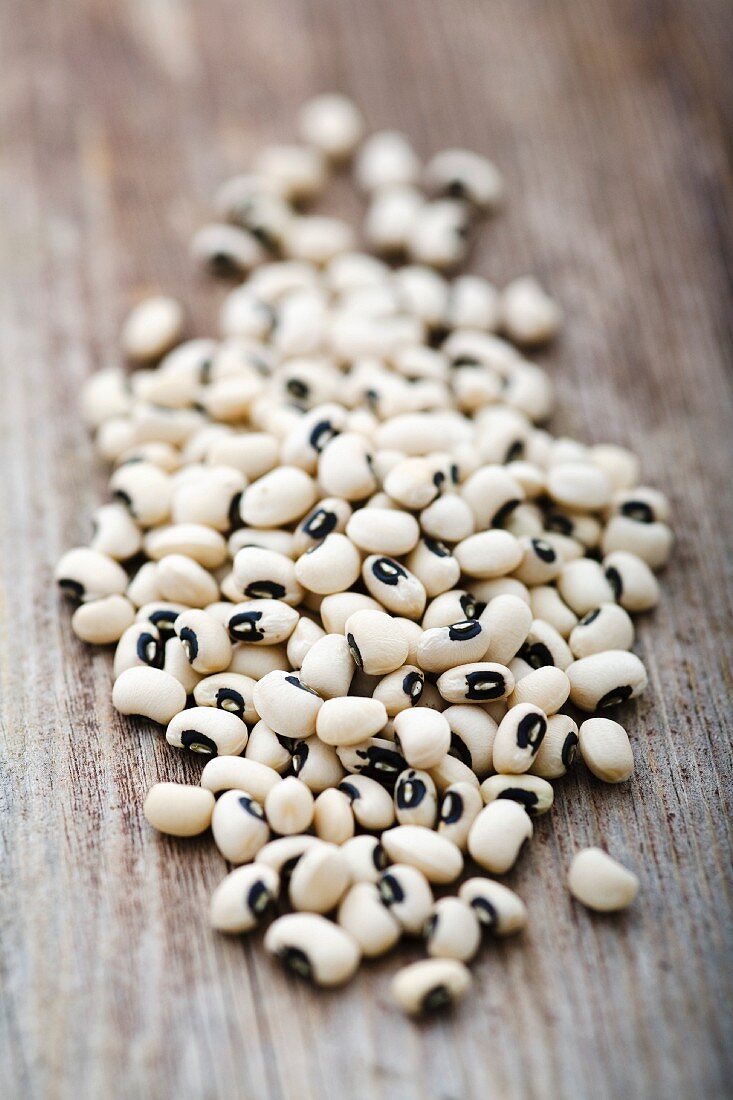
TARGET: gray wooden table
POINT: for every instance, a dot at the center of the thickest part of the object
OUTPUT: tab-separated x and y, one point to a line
609	120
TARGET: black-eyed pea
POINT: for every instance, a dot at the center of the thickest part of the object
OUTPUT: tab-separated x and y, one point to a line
115	532
282	854
463	174
559	749
145	490
178	809
431	985
413	483
518	738
319	879
350	720
452	930
345	467
605	627
205	641
238	826
277	498
329	516
601	882
547	604
256	661
579	486
507	621
139	645
416	799
533	793
386	159
317	764
451	607
492	494
314	948
499	910
407	894
261	574
606	679
449	518
442	648
498	834
104	396
634	585
606	750
332	123
264	622
547	688
143	587
210	498
436	856
304	636
583	585
545	646
196	541
289	807
459	806
207	732
489	554
267	747
226	251
241	900
540	562
472	733
333	817
401	689
226	773
329	566
621	464
103	621
365	916
180	579
377	643
473	303
336	609
476	682
328	667
287	705
529	315
652	542
86	574
176	663
579	526
151	328
366	858
377	530
434	566
316	239
642	504
372	805
150	692
566	549
439	232
450	771
423	736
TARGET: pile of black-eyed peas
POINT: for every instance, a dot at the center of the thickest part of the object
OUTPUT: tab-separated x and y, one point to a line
346	564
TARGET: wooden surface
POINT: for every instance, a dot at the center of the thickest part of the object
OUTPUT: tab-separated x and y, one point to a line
118	120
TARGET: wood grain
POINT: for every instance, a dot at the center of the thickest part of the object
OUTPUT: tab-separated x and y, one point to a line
610	121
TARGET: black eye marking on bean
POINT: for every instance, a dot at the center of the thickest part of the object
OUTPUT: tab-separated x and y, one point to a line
515	451
259	364
296	960
638	510
455	474
390	890
265	590
590	617
299	684
455	189
459	749
229	695
469	606
149	651
164	619
301	752
430	925
410	792
461	632
451	809
543	550
223	264
438	479
388	571
322	433
124	498
286	743
72	588
350	790
251	807
198	742
379	857
435	546
354	651
436	998
530	731
384	765
319	523
615	696
243	627
614	579
466	361
413	685
536	654
297	389
259	898
190	642
563	525
485	685
233	517
527	799
502	514
569	749
485	912
205	371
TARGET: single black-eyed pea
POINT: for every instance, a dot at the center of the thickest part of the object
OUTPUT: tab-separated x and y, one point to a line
207	731
350	720
583	585
449	518
241	900
145	490
401	689
528	314
459	806
329	566
103	621
439	232
265	575
543	645
328	667
547	688
605	627
652	542
227	773
444	647
365	916
267	747
386	159
226	251
143	587
239	827
579	486
634	585
507	621
423	736
86	574
606	679
306	633
518	738
489	554
333	817
277	498
377	643
431	985
287	705
345	467
387	531
115	532
463	174
264	622
150	692
178	809
394	586
314	948
472	733
606	750
205	641
436	856
180	579
139	645
601	882
642	503
540	562
416	799
388	218
256	661
211	497
451	607
547	604
499	910
319	879
194	540
492	494
176	663
559	748
534	794
435	567
328	517
371	804
498	834
289	807
452	930
366	858
450	771
477	682
407	894
317	764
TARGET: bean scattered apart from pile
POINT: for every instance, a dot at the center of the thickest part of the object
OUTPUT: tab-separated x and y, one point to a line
345	563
